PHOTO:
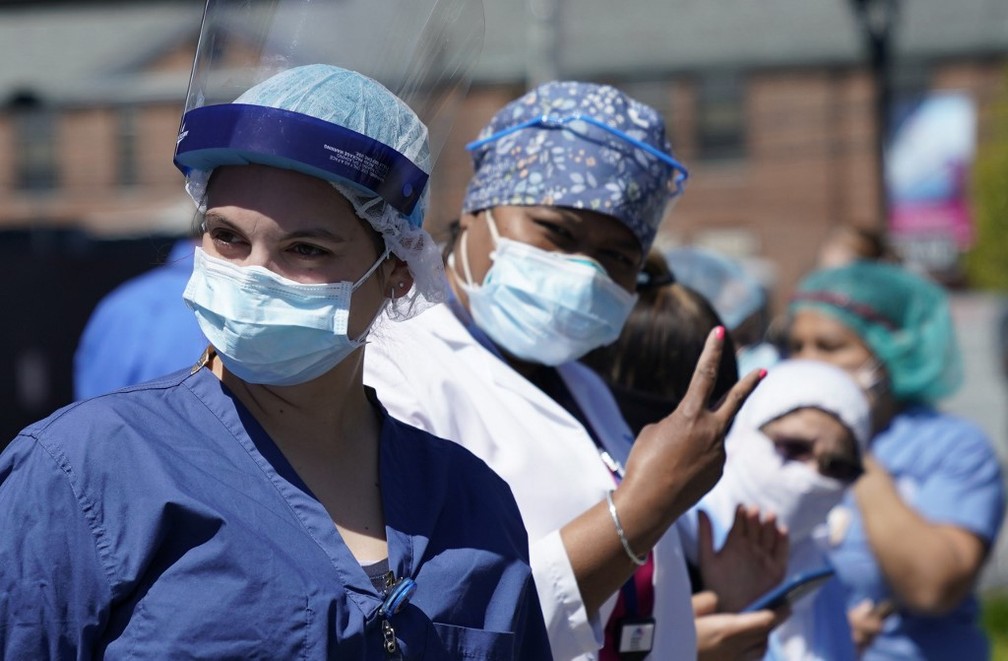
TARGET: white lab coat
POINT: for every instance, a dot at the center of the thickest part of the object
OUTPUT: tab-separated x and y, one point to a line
430	372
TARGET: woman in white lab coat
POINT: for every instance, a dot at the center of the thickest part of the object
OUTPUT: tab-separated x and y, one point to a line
571	183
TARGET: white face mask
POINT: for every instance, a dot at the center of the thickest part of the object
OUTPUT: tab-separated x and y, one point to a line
545	307
268	329
758	475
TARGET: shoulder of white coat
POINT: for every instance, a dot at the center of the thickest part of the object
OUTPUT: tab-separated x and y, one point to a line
412	339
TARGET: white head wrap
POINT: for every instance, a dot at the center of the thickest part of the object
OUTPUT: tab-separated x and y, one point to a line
756	474
796	384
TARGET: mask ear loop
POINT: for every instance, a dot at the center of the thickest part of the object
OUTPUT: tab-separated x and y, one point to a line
492	226
370	271
464	248
871	375
367	331
360	281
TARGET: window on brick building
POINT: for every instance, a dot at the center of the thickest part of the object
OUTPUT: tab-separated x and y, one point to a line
126	145
720	117
910	84
655	93
34	142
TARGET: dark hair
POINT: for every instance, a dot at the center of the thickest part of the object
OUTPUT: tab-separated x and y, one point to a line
452	232
870	243
650	366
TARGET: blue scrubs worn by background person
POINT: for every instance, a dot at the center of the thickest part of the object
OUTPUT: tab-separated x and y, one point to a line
911	537
262	503
141	330
571	182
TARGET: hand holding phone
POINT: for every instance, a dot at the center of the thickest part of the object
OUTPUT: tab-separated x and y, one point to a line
791	590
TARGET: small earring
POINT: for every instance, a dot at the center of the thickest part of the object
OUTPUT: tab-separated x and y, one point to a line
402	284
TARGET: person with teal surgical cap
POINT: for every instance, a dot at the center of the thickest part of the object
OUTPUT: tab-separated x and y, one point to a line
910	538
262	503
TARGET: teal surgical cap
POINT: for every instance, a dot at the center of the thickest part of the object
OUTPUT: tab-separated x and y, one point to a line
903	318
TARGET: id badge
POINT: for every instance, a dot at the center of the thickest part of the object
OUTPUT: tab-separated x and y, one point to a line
636	638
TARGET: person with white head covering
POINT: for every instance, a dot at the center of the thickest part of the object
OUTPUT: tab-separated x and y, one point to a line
793	450
570	183
263	503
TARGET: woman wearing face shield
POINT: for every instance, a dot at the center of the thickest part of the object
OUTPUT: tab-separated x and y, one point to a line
263	504
911	537
571	181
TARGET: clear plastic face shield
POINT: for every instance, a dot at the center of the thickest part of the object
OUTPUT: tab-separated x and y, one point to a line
360	93
421	51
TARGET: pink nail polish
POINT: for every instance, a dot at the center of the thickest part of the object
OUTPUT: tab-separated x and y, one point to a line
762	374
719	332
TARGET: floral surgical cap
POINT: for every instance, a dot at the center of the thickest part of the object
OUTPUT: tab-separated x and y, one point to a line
904	319
575	164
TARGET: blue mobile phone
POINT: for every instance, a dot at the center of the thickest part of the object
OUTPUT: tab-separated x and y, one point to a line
791	590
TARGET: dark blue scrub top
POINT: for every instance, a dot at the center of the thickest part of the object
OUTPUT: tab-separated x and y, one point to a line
162	522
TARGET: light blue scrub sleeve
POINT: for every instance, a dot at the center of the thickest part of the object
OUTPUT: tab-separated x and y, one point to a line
54	592
967	490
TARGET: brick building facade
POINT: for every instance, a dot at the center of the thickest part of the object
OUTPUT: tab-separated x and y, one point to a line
780	148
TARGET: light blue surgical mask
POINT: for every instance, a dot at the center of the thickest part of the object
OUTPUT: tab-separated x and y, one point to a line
541	306
268	329
756	356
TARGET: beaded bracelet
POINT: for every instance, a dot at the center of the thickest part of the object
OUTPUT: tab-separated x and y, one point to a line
637	560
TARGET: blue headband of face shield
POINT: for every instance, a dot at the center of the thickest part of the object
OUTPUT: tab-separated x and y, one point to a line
239	134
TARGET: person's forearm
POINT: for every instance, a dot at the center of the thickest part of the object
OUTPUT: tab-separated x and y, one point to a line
921	565
599	561
672	464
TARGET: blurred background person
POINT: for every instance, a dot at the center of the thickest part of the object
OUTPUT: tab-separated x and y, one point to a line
739	298
813	419
648	369
911	537
848	242
140	330
792	451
